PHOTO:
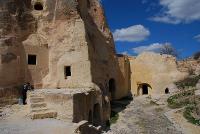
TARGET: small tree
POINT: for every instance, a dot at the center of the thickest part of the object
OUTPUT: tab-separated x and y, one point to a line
169	50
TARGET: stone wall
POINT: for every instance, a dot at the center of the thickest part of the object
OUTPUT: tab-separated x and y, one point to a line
73	105
62	33
153	71
124	76
9	96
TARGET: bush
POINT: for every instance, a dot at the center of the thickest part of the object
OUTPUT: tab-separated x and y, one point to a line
114	117
188	82
188	115
180	100
168	49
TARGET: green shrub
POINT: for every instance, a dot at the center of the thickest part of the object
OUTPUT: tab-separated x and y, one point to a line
114	117
188	115
180	100
188	82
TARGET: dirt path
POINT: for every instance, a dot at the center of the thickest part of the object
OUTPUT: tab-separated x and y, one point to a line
142	116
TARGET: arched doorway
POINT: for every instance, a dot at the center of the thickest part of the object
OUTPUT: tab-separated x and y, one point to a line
112	88
96	115
143	89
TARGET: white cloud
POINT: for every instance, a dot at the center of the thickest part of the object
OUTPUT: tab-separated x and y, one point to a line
197	37
134	33
124	53
178	11
155	47
165	19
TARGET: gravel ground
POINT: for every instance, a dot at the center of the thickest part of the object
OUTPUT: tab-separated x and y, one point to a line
142	116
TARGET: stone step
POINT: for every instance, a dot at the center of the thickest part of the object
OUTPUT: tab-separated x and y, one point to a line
36	100
43	115
38	110
35	96
38	105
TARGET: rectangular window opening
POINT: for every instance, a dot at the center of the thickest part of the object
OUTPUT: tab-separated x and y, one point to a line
67	71
32	59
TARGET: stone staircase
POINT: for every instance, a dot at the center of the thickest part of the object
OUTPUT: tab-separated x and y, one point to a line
39	109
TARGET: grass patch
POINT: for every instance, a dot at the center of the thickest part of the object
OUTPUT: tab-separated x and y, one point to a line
188	82
188	115
114	117
181	99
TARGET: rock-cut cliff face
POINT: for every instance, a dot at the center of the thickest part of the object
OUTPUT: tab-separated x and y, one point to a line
43	40
57	44
15	26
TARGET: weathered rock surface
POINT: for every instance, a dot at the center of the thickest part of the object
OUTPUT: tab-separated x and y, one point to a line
143	117
155	71
190	66
59	44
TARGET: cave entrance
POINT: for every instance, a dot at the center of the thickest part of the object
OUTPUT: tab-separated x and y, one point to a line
112	88
96	115
167	91
38	6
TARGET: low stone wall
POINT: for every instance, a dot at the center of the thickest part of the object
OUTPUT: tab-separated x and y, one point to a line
74	105
62	103
84	106
9	96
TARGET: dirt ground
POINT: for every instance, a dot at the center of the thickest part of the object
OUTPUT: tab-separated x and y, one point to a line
15	120
145	115
142	115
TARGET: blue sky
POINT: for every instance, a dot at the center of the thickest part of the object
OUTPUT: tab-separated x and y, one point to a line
145	25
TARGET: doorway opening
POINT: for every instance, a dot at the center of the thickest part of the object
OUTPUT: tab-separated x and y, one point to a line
167	91
90	117
112	88
145	89
96	115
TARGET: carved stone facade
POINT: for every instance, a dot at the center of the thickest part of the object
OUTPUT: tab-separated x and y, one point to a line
60	44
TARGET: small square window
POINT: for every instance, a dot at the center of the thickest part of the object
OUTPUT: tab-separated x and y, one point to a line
32	59
67	71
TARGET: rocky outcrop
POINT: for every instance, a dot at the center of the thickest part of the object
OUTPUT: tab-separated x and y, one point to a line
190	66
